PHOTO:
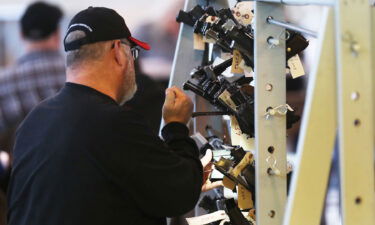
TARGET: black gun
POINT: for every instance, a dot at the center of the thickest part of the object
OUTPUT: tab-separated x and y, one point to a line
228	97
229	34
235	215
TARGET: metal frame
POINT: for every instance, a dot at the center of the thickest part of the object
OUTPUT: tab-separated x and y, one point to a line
317	135
270	132
355	111
354	55
351	107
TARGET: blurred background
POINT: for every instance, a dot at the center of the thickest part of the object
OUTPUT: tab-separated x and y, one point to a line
136	13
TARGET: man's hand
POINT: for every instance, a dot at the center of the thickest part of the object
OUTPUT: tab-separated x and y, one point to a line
177	107
207	169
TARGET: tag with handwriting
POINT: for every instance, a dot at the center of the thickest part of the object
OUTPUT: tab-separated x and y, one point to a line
198	42
228	183
237	58
244	198
225	97
296	67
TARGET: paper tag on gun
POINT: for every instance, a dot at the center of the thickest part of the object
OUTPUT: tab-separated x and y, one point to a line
225	97
237	58
244	198
198	42
296	67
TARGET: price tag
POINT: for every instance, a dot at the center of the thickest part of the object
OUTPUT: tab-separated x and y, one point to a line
225	97
244	198
296	67
237	58
198	42
228	183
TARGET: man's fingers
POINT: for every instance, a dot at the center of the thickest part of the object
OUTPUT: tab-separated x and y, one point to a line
169	97
178	92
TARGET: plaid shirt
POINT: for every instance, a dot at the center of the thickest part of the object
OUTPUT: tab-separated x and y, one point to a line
36	76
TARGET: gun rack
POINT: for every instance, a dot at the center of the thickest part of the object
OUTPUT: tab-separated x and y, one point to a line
339	103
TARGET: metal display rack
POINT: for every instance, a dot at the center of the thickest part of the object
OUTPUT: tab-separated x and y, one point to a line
340	100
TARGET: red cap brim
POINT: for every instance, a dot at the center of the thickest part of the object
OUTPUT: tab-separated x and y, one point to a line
141	44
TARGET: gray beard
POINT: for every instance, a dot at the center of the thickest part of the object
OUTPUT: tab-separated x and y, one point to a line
130	86
129	94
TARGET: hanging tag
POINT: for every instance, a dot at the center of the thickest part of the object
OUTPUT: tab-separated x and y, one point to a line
247	142
225	97
208	218
236	132
237	58
198	42
246	160
244	198
228	183
296	67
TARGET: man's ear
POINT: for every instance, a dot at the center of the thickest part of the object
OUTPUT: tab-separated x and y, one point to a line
119	54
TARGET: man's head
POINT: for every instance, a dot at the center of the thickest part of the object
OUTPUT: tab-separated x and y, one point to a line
99	50
40	25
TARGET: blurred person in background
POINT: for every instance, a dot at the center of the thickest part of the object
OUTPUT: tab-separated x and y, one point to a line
36	75
162	34
154	67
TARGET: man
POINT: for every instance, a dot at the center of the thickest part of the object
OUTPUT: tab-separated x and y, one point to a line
38	74
80	158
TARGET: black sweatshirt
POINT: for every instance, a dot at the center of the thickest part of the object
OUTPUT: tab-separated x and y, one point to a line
81	159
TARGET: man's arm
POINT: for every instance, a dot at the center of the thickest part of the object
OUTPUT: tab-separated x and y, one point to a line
163	178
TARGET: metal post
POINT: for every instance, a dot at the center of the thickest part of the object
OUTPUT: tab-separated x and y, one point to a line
271	132
356	101
292	27
317	134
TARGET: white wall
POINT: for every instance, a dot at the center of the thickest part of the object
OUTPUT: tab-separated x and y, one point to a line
135	13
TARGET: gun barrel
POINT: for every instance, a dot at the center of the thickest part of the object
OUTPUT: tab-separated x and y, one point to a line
219	69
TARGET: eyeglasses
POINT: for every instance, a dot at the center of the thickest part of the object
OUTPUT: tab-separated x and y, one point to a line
133	49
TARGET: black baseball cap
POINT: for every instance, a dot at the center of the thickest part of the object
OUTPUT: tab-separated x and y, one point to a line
100	24
39	20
